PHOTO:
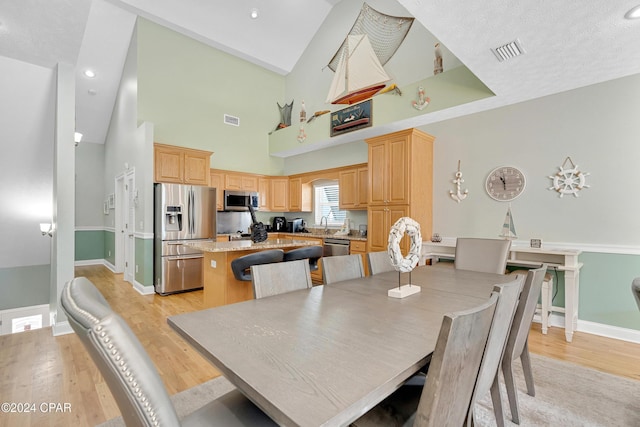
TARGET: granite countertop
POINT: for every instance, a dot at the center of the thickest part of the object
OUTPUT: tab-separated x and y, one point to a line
322	235
317	234
245	245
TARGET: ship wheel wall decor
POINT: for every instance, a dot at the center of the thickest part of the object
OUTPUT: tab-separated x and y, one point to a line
568	180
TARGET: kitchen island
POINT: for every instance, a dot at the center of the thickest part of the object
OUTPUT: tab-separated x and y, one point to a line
220	285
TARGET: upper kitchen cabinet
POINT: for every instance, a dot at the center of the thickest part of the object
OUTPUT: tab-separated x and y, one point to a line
299	195
400	183
216	180
264	193
239	181
354	185
279	194
400	167
181	165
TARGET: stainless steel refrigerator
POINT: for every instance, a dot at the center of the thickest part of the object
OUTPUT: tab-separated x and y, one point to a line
182	213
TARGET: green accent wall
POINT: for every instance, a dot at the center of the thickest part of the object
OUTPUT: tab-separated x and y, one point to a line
605	289
449	89
89	244
110	247
186	87
144	261
24	286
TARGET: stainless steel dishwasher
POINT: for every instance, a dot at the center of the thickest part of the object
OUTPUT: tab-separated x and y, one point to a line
334	246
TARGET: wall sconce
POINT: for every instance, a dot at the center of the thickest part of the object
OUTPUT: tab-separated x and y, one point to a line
46	228
77	137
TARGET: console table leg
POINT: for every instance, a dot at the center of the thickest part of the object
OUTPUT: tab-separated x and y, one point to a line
572	294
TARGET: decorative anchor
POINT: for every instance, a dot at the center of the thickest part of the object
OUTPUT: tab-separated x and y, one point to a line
458	196
422	100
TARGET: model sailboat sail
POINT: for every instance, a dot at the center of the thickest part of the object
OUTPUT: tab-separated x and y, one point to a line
359	74
508	229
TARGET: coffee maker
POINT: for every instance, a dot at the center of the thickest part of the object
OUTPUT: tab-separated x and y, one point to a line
279	224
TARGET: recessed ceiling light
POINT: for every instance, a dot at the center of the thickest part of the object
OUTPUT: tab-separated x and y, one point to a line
633	13
89	73
254	13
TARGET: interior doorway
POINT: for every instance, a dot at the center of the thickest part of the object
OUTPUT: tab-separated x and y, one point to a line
125	225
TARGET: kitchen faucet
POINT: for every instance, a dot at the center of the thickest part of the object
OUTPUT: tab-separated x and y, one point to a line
326	226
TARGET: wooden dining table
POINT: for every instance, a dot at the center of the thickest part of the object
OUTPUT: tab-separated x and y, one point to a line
325	356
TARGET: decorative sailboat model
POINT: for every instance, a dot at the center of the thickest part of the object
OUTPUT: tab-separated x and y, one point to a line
508	229
359	74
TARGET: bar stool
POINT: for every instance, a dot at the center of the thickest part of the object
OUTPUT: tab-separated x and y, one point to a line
312	253
241	266
546	298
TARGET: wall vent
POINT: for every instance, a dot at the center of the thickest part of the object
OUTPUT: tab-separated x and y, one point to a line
231	120
508	51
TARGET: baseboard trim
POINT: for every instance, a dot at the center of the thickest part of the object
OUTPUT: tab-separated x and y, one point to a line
86	262
142	289
61	328
607	331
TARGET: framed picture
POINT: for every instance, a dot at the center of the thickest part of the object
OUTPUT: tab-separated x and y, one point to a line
112	201
352	118
105	207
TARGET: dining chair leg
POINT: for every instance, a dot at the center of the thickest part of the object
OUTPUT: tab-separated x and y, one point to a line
512	393
526	368
496	398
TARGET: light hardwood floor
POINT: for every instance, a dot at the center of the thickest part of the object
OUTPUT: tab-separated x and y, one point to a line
37	368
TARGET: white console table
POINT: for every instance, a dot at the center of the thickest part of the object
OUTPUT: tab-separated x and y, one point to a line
565	260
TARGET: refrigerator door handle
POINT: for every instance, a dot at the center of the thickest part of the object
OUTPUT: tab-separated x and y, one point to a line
182	257
193	213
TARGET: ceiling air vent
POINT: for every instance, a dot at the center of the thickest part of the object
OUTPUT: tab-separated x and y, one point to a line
508	51
231	120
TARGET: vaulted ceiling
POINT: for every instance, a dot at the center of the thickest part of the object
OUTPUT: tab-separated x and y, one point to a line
568	44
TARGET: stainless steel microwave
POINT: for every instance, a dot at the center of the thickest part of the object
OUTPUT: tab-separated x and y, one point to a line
240	200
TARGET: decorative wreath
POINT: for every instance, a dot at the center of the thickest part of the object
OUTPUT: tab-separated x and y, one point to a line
410	226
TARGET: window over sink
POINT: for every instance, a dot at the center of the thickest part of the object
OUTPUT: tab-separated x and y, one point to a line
325	203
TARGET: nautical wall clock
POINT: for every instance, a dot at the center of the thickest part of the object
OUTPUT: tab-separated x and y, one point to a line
505	183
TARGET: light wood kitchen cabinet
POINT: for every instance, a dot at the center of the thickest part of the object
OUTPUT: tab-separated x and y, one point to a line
279	197
360	247
295	194
400	184
300	195
380	220
216	180
354	184
181	165
244	182
264	193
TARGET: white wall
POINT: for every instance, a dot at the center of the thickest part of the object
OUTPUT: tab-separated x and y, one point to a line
27	114
90	185
596	126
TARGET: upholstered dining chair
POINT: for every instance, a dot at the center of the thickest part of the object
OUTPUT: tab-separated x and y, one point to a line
517	343
482	255
342	267
635	289
379	262
312	253
492	357
446	396
277	278
129	373
241	266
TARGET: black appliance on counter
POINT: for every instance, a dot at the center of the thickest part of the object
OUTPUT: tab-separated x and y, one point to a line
279	224
294	225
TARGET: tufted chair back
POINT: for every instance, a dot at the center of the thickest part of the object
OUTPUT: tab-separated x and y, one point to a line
121	359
